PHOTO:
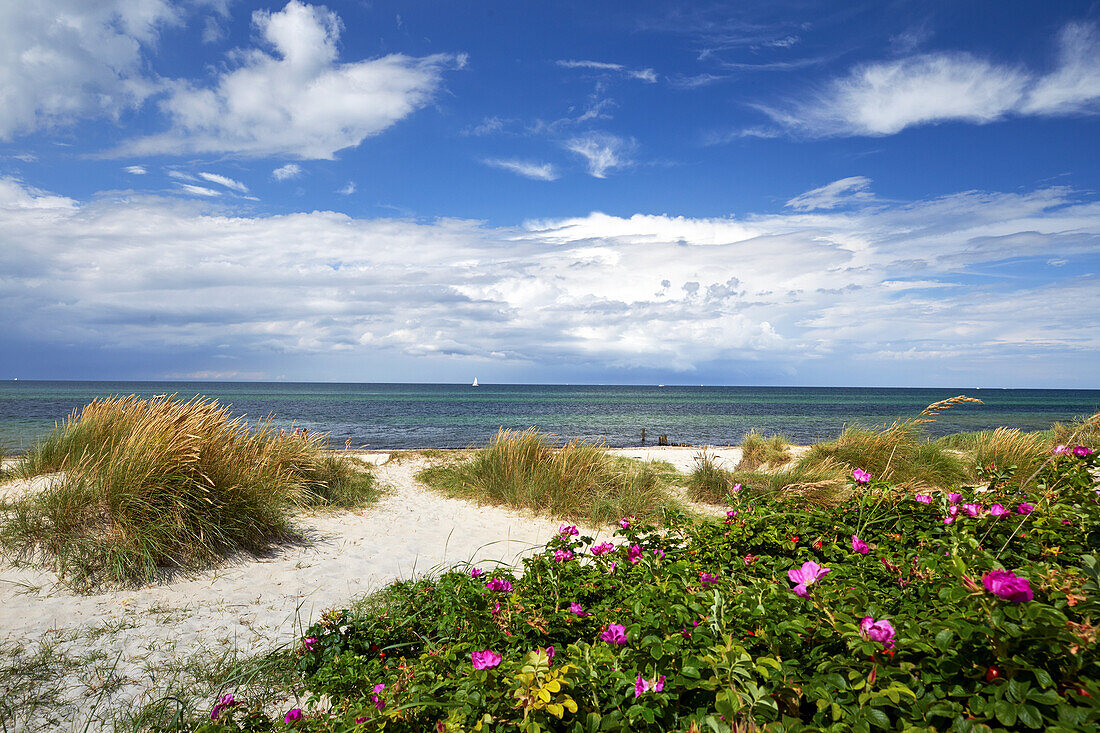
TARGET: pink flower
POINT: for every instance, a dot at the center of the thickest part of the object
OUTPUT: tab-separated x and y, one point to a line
568	530
807	575
731	514
954	498
1060	450
948	520
998	510
659	553
1081	451
642	685
635	554
602	549
880	631
733	489
923	498
309	642
475	572
378	702
750	559
495	609
550	652
707	579
614	634
498	585
972	509
625	522
861	476
1025	508
227	701
578	609
1007	585
859	546
292	715
485	659
953	510
563	555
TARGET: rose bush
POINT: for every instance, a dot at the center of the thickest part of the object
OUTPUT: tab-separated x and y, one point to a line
872	615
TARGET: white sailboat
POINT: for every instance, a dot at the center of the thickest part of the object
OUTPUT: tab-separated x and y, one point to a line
475	382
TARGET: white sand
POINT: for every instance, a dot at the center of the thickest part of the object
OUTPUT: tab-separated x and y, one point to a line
256	604
683	459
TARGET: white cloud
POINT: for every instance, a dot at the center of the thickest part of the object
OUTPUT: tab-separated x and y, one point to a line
884	98
136	170
286	172
61	60
646	75
198	190
525	168
830	196
879	282
299	101
604	152
348	189
224	181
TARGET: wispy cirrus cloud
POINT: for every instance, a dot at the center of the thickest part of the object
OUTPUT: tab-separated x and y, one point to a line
646	75
603	152
225	181
525	168
286	172
884	98
846	191
298	101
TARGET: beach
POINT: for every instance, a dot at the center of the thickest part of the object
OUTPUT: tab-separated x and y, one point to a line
122	644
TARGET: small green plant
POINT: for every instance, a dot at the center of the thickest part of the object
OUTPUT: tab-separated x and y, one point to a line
578	481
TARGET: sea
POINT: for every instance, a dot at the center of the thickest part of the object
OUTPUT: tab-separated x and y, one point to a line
388	416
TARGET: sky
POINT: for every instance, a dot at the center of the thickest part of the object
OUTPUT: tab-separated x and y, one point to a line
755	193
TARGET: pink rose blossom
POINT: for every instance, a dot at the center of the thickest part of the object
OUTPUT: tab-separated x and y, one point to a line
731	514
475	572
923	498
861	476
378	702
643	685
498	585
1081	451
635	554
227	701
292	715
733	489
659	553
309	642
625	522
563	555
880	631
954	498
750	559
807	575
953	510
614	634
577	609
485	659
569	530
859	546
972	509
1025	508
602	549
1060	450
706	579
948	520
998	510
1007	585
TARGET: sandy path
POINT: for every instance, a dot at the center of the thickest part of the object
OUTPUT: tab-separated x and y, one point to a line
256	604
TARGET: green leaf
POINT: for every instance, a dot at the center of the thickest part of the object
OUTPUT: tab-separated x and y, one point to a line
1030	716
943	639
1005	712
878	718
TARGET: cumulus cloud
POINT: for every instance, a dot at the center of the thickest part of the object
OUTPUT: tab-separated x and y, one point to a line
61	60
286	172
884	98
525	168
830	196
603	152
298	100
867	282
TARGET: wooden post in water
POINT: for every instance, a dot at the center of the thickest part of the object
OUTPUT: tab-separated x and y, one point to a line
643	436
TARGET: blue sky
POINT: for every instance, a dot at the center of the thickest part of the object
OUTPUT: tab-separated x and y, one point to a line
770	193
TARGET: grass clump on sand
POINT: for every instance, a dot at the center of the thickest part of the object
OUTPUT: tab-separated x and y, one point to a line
134	485
578	481
757	451
820	482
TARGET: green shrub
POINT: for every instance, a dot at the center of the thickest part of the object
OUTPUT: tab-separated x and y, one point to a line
700	627
135	485
578	481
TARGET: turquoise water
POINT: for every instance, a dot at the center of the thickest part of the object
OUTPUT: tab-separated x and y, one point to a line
455	416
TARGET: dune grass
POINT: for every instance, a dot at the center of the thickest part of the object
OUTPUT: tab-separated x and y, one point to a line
135	485
821	482
756	451
578	481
